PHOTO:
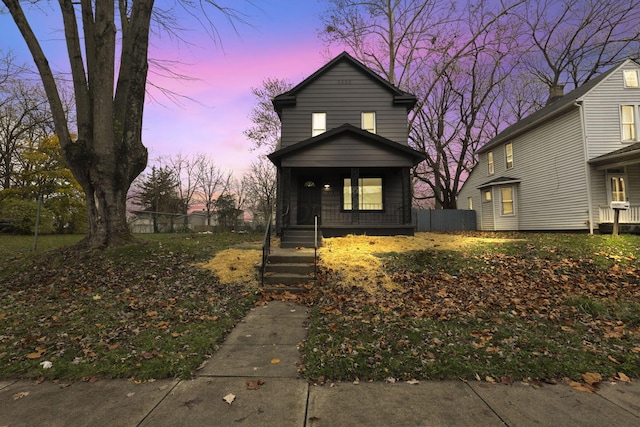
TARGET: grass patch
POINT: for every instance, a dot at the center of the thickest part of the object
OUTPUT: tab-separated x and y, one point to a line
516	305
144	310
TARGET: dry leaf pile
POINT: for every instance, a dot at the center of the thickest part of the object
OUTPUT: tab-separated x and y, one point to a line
233	266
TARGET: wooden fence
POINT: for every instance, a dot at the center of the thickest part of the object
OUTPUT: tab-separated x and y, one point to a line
444	220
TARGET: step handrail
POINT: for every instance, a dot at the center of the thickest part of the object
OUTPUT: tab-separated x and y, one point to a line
266	250
315	248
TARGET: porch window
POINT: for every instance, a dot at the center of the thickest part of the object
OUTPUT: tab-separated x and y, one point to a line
628	118
318	123
369	121
508	150
487	195
506	195
490	163
631	78
369	194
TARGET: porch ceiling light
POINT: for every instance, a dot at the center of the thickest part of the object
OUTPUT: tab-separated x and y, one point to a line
309	184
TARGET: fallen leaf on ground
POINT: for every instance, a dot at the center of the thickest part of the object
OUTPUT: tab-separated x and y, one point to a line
622	377
413	382
581	387
275	361
36	354
229	398
20	395
591	378
254	385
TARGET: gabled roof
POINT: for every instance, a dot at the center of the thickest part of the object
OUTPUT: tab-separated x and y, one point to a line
289	98
499	181
347	129
630	153
554	109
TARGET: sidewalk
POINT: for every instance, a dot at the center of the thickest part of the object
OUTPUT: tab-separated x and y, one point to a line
258	364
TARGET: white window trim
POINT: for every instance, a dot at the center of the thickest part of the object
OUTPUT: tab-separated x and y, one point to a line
506	155
637	79
316	129
375	124
635	123
491	166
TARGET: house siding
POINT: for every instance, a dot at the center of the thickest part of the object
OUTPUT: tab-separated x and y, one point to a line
602	113
552	193
347	152
344	92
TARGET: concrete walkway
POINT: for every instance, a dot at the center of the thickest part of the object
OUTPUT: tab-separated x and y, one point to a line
258	364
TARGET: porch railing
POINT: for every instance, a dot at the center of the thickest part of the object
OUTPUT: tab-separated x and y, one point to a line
334	214
628	216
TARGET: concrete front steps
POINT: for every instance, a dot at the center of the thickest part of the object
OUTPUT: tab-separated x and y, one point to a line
299	237
289	269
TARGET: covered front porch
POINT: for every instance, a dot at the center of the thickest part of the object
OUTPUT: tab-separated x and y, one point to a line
620	171
343	201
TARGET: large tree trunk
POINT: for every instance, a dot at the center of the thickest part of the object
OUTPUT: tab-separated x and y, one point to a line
108	153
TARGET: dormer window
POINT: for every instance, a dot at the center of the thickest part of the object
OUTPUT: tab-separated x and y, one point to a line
369	121
631	78
318	123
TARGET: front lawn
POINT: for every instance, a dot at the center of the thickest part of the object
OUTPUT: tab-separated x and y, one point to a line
143	311
500	307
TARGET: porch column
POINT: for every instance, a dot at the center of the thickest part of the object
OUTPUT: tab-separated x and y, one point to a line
406	196
355	196
286	197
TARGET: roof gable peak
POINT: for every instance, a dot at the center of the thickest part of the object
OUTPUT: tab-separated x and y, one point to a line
289	98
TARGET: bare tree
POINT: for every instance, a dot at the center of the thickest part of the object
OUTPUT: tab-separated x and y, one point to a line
265	131
211	183
185	169
453	56
574	40
108	153
24	118
260	187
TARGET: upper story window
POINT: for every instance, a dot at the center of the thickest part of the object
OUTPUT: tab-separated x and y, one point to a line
508	151
369	121
318	123
631	78
629	122
490	165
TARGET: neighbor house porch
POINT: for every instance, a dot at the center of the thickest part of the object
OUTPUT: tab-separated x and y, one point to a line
619	171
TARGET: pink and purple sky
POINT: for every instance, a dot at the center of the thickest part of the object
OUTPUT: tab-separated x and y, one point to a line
279	40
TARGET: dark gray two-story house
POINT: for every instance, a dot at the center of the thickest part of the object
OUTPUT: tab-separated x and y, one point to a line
343	159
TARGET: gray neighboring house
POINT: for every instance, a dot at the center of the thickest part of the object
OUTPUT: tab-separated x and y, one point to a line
561	167
344	155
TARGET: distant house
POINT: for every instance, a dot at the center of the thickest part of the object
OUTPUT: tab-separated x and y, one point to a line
561	167
343	156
